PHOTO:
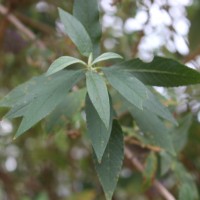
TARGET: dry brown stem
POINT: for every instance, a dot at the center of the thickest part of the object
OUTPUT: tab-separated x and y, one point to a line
21	27
156	184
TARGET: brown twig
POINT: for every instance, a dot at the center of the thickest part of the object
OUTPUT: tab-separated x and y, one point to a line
34	24
130	140
21	27
158	186
137	43
192	55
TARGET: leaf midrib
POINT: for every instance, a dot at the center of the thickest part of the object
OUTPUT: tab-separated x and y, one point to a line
49	94
154	71
132	88
78	34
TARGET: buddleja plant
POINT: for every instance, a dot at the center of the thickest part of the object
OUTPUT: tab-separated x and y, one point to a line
38	97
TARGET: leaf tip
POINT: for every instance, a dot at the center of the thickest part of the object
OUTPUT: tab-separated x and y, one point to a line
19	132
60	9
121	57
106	121
99	160
109	195
107	124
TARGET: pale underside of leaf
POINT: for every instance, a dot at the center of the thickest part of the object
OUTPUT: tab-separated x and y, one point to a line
98	94
107	56
61	63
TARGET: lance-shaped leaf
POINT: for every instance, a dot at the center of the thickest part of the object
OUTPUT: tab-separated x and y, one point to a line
155	106
128	86
109	169
98	133
107	56
150	170
166	161
180	133
98	94
20	97
188	191
77	33
87	12
45	95
23	93
187	182
160	72
61	63
153	129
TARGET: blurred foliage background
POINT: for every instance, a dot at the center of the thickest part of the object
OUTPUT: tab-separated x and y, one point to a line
53	161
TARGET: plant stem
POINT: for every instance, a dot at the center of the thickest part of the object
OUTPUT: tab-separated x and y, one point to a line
158	186
21	27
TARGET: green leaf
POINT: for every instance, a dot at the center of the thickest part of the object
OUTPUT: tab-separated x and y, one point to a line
166	162
87	12
150	168
72	104
19	94
187	188
148	122
98	94
188	191
128	86
180	133
153	105
98	133
107	56
17	111
20	97
109	169
62	63
160	72
76	32
153	129
40	96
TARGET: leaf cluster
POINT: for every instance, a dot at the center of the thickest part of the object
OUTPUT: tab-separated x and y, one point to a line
132	80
